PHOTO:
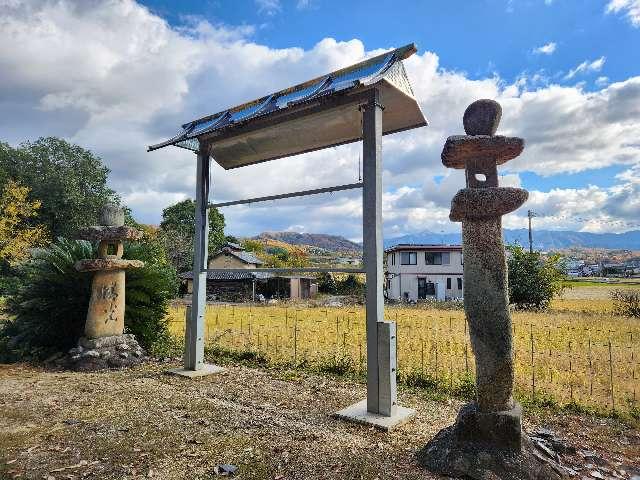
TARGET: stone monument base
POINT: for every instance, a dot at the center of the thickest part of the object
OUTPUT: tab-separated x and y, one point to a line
91	354
488	446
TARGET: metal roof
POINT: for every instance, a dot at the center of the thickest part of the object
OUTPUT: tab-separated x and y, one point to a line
319	113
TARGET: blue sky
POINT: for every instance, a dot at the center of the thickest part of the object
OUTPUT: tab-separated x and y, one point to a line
565	72
479	37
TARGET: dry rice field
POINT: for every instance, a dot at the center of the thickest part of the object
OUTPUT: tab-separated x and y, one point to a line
577	353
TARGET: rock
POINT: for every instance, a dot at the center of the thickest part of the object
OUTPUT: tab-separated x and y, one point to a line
124	355
482	117
225	469
91	353
75	358
109	233
122	347
460	148
112	215
486	203
543	433
138	353
449	454
106	264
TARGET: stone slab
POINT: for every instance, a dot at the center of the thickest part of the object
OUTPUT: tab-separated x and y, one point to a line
207	369
106	264
99	233
358	413
486	203
460	148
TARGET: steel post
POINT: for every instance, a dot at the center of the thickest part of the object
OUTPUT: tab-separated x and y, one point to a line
372	239
194	349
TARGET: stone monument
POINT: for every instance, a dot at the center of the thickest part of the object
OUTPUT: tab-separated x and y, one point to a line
104	344
487	440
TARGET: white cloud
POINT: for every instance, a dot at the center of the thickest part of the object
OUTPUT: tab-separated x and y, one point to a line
115	78
586	67
546	49
631	9
270	7
602	81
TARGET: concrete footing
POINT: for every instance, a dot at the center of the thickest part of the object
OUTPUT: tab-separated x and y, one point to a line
206	370
358	413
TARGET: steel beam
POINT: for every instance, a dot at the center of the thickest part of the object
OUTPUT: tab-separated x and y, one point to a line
287	270
194	334
372	238
302	193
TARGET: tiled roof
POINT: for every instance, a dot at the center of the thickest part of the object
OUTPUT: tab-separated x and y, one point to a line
230	275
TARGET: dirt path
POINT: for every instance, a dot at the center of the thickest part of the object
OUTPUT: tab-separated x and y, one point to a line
145	424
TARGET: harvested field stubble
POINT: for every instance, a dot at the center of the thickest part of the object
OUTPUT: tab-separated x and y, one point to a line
586	361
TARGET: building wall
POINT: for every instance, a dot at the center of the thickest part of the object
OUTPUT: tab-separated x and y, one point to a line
228	261
405	278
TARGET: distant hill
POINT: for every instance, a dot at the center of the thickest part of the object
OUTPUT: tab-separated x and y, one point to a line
542	239
334	243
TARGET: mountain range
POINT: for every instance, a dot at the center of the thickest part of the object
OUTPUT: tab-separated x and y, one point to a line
542	239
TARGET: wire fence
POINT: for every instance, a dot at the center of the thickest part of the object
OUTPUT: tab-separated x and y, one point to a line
564	358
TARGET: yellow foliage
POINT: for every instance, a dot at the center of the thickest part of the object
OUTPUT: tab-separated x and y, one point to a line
590	359
17	235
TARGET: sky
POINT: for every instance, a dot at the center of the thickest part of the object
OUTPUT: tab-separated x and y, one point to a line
115	76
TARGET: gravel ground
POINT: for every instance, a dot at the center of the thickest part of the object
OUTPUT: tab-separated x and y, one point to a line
142	423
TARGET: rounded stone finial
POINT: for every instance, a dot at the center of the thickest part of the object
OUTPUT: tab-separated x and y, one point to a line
112	215
482	117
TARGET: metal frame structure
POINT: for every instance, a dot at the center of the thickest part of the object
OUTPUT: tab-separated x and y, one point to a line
361	103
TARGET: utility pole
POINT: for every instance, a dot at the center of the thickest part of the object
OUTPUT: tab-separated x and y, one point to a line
530	214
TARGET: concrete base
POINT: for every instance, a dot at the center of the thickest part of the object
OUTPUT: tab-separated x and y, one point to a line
207	369
358	413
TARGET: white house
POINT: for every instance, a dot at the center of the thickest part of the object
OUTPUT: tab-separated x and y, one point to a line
415	272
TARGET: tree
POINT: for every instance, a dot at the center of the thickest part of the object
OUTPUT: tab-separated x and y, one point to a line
178	228
533	281
17	236
71	182
327	284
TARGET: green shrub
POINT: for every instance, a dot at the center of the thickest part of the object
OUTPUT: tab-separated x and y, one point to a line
47	308
533	281
626	303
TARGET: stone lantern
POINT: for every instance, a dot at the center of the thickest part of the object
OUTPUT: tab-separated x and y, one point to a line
104	344
487	440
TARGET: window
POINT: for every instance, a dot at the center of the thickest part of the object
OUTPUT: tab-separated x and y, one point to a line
408	258
433	258
446	258
461	259
459	283
448	283
430	288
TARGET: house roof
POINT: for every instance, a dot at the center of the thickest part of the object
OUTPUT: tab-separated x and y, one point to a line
234	275
242	255
319	113
424	247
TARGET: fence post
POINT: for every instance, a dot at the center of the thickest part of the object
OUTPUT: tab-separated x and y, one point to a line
590	370
295	341
533	366
613	398
570	372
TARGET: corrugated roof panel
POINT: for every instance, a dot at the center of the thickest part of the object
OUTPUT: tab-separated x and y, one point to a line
317	129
